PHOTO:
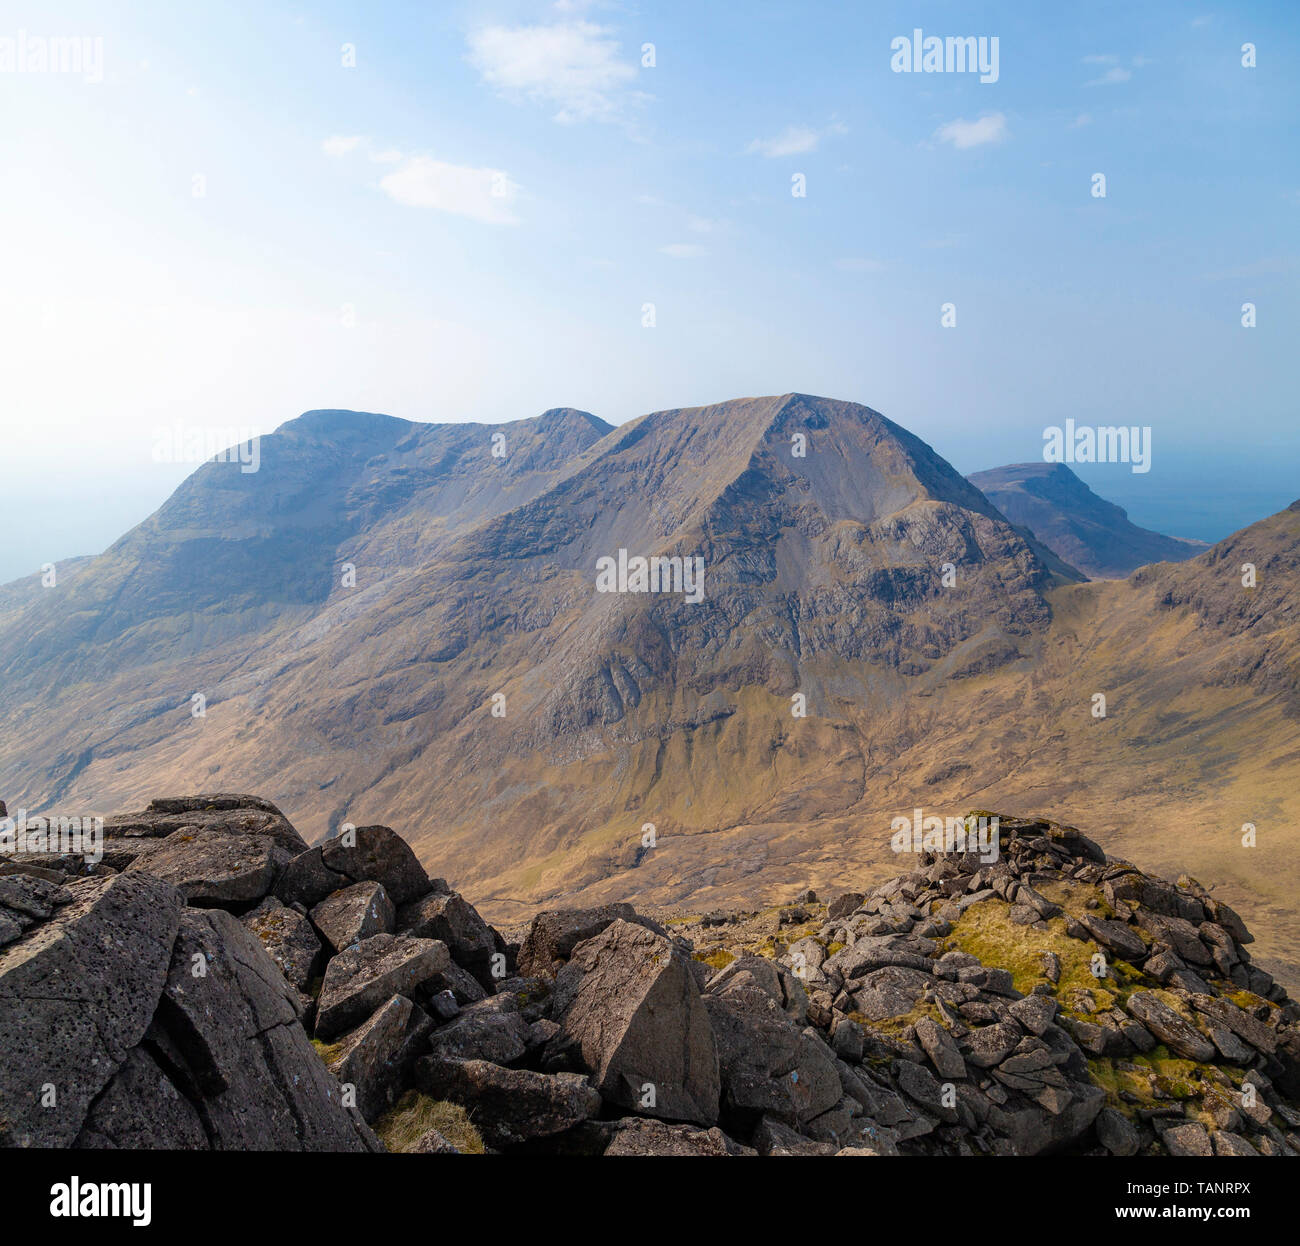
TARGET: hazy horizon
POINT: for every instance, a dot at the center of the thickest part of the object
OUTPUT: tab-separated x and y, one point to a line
233	216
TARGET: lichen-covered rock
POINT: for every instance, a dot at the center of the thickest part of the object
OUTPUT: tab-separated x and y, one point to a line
634	1136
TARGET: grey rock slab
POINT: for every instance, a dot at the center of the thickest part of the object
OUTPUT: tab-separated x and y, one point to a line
354	913
1170	1028
227	1031
362	977
77	993
214	869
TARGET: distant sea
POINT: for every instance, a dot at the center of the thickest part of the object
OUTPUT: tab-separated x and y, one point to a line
1200	499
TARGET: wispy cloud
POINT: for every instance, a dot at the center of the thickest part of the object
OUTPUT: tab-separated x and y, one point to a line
683	250
341	144
990	128
1112	77
794	140
1115	73
1080	121
575	67
859	264
481	194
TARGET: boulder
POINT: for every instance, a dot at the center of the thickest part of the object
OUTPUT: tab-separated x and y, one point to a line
510	1106
554	934
289	940
446	916
634	1136
361	978
1116	1133
491	1029
1116	936
353	914
1190	1139
768	1066
377	1058
628	1003
431	1142
213	869
226	813
844	905
1178	1034
368	854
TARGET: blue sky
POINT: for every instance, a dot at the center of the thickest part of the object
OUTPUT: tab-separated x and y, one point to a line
468	221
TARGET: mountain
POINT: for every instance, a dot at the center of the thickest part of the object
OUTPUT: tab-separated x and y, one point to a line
1074	523
873	635
1015	991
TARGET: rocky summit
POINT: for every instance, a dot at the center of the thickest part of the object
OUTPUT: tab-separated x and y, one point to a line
213	983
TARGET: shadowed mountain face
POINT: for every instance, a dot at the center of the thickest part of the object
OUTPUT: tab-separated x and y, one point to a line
1074	523
872	635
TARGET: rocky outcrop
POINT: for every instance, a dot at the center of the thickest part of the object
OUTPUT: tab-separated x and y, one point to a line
1044	999
148	1023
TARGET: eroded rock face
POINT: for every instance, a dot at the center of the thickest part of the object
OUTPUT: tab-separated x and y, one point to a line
628	1001
227	1030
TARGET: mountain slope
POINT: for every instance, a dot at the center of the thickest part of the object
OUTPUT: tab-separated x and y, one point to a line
873	635
1071	520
